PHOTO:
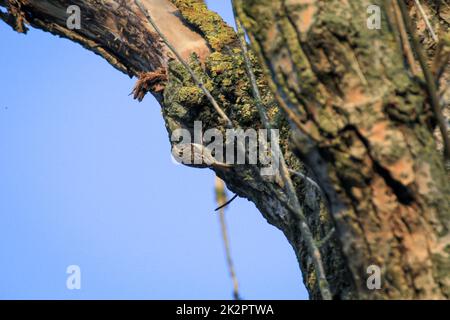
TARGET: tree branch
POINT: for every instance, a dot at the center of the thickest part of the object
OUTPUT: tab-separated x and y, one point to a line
122	35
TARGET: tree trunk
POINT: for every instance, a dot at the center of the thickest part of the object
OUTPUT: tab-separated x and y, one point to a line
362	125
340	93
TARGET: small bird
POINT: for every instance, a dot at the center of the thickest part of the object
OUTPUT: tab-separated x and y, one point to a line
197	156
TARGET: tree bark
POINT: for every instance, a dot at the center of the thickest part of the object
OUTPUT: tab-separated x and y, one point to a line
362	124
339	92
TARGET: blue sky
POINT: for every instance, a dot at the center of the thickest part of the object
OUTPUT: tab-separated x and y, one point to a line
86	178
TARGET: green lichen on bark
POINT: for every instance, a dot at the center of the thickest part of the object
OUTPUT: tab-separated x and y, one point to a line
218	34
224	76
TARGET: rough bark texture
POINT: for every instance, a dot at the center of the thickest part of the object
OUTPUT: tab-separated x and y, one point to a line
364	127
358	119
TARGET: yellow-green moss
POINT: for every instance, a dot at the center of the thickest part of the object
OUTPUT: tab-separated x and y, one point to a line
224	75
217	32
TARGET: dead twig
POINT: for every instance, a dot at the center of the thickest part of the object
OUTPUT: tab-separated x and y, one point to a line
226	203
427	21
325	239
404	38
149	81
220	198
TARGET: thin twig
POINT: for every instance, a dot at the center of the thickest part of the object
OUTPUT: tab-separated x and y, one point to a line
427	21
404	38
226	203
290	190
327	237
221	197
429	78
194	77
